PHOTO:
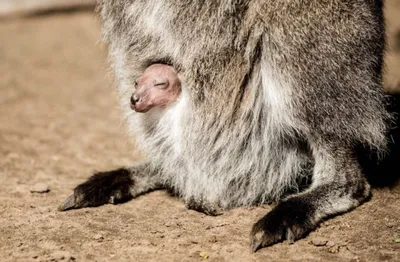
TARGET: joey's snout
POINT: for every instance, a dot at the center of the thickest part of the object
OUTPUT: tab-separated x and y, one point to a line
139	102
135	98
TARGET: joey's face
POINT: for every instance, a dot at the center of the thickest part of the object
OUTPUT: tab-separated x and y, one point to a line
158	86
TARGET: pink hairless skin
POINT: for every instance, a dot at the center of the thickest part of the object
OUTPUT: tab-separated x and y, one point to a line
158	86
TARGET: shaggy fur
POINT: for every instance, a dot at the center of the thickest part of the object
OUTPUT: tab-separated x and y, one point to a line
275	93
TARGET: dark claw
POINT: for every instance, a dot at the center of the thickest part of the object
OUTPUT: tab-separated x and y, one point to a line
256	241
290	237
69	203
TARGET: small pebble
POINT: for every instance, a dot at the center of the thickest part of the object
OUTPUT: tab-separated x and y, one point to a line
318	242
330	244
213	239
203	255
40	188
98	237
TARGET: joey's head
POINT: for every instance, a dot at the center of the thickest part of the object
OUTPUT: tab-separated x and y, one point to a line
158	86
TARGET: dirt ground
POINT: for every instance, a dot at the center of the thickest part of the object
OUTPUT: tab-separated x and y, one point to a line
59	122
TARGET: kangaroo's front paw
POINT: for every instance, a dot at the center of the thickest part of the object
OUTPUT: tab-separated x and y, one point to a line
289	220
102	188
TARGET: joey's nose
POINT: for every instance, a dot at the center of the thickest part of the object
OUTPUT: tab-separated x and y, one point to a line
134	99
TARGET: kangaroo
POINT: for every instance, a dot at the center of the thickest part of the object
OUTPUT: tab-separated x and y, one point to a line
274	96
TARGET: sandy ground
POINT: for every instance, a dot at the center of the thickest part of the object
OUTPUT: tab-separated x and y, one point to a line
59	122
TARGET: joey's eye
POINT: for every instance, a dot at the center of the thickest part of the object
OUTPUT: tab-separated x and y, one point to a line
161	82
161	85
135	84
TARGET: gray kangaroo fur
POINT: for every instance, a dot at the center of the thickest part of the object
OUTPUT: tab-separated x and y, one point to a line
276	95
